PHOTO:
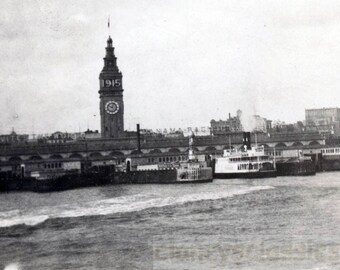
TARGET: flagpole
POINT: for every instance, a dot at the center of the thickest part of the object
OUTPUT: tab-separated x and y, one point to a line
108	26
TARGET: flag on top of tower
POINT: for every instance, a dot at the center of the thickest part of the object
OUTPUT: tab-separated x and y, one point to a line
108	22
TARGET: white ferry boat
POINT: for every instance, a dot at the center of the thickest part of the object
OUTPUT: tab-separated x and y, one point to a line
250	162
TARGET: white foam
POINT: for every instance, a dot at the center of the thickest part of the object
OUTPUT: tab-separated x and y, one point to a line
12	266
27	220
123	204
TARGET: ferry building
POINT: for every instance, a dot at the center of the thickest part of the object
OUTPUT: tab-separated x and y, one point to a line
116	144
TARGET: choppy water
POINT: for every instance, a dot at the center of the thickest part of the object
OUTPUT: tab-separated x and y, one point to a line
278	223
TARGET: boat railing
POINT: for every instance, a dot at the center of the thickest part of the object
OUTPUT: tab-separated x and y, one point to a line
190	173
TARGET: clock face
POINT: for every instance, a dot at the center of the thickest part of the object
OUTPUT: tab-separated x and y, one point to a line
111	107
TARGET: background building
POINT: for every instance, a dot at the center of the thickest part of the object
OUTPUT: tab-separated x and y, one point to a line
238	124
325	120
13	138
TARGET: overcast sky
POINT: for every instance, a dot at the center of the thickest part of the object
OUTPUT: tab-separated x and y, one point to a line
183	62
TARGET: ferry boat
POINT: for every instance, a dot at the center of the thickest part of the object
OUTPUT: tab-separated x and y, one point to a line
41	176
330	158
250	162
192	170
294	163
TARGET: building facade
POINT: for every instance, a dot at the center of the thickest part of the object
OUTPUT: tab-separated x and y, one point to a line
234	124
325	120
111	96
13	138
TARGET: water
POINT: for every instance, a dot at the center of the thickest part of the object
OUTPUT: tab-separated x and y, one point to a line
277	223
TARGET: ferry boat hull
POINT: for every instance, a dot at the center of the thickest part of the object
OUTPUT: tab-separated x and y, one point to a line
248	175
295	168
170	176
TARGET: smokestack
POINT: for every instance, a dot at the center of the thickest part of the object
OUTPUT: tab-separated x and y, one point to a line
229	116
246	140
138	139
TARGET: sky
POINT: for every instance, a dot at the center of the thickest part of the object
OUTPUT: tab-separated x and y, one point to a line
183	62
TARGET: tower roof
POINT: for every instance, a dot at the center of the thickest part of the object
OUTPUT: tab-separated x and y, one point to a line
109	40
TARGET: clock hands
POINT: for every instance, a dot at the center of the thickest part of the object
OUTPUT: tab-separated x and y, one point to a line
112	107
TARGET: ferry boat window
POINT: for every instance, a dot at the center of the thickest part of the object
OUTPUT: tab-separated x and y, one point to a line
170	158
160	159
48	166
45	166
52	165
59	165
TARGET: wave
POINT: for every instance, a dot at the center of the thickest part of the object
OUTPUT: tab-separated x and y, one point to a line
13	266
123	204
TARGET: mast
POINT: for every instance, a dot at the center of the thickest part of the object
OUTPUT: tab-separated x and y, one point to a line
191	147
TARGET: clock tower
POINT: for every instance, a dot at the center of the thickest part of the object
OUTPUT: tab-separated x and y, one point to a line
111	96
